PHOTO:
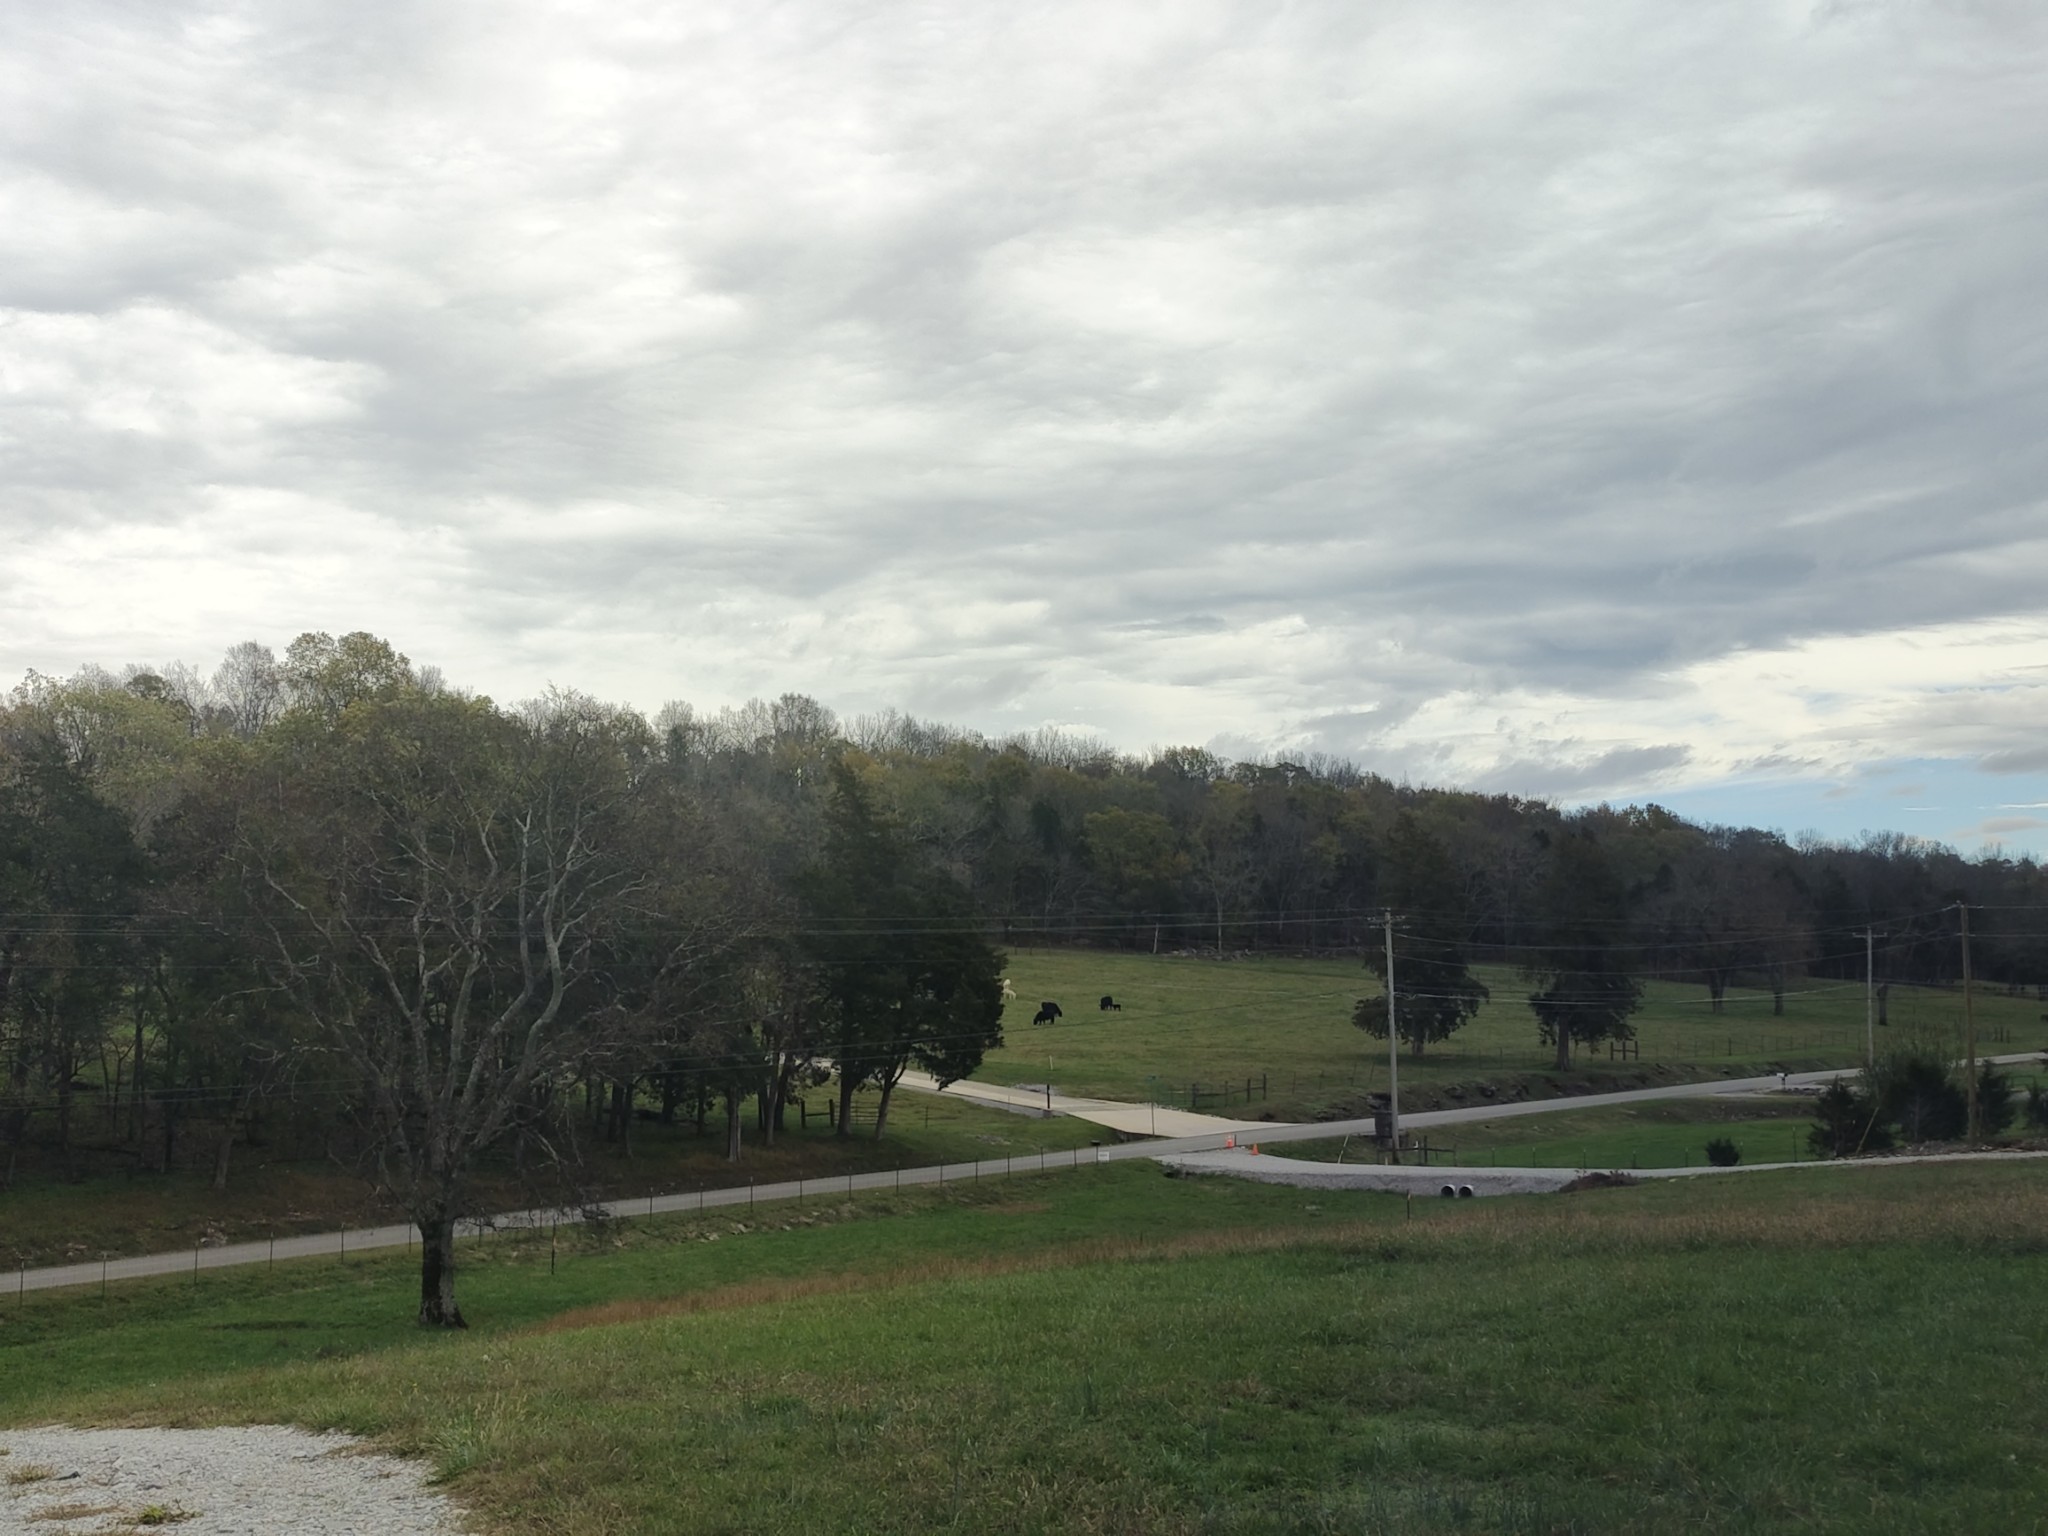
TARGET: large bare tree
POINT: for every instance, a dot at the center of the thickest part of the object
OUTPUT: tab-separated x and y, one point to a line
437	879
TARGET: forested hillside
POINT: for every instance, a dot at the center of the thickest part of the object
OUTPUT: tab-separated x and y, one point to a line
334	891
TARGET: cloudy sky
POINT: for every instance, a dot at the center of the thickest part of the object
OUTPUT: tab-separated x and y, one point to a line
1588	401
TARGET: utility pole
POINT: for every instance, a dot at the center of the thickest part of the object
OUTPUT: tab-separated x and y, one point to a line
1393	1045
1869	999
1969	1028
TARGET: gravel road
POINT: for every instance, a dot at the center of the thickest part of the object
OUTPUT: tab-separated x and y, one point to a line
211	1482
342	1244
1412	1180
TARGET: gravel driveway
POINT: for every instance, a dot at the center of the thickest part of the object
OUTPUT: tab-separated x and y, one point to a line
262	1481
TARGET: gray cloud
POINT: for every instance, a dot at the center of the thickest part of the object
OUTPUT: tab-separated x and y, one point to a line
2003	826
1215	372
1570	776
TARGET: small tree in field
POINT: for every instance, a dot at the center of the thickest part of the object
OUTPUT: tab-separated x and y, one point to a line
1587	994
1846	1121
1438	993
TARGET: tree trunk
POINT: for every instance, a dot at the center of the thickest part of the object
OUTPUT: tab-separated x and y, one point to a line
882	1109
732	1126
64	1074
614	1113
844	1130
1884	997
621	1129
221	1151
117	1075
437	1273
135	1090
17	1076
1777	990
226	1146
1564	1049
1717	984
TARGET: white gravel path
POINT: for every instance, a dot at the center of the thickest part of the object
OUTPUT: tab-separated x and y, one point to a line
1268	1169
260	1481
1301	1174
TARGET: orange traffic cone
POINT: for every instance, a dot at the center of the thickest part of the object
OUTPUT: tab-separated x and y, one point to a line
1229	1143
1255	1149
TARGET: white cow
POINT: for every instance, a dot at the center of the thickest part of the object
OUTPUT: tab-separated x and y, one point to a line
1009	992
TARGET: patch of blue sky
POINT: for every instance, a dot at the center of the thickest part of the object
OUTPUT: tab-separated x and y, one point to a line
1944	800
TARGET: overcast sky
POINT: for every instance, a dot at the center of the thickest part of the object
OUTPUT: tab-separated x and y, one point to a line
1579	400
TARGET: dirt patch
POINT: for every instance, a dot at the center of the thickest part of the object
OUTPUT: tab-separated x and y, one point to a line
1599	1181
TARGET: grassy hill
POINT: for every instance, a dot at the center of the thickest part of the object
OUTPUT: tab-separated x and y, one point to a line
45	1220
1114	1351
1284	1026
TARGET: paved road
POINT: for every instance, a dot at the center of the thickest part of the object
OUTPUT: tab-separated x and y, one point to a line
1116	1115
1414	1179
340	1245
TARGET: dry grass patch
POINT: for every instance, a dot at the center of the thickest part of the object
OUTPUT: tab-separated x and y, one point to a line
774	1291
158	1514
2015	1219
32	1472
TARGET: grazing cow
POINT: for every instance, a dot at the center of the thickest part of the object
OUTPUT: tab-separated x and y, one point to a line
1109	1003
1047	1012
1009	992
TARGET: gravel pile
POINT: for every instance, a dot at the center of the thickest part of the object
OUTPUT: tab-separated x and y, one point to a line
211	1482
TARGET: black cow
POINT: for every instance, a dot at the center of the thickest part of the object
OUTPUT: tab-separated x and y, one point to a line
1047	1012
1109	1003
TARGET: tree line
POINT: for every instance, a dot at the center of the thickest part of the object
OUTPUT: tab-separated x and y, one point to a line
331	887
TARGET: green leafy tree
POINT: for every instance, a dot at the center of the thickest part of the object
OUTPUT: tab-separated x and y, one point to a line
324	675
71	877
1586	995
1137	856
1438	993
1847	1121
905	974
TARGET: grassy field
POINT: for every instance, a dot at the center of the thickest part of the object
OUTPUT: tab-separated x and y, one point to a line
1670	1133
1117	1352
1282	1025
1188	1021
46	1221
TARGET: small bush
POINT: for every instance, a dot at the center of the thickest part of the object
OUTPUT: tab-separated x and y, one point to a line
1922	1094
1723	1153
1996	1109
1846	1122
2037	1108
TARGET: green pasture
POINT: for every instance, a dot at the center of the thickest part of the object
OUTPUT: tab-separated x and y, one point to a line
1671	1133
1113	1351
1284	1027
56	1344
44	1220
